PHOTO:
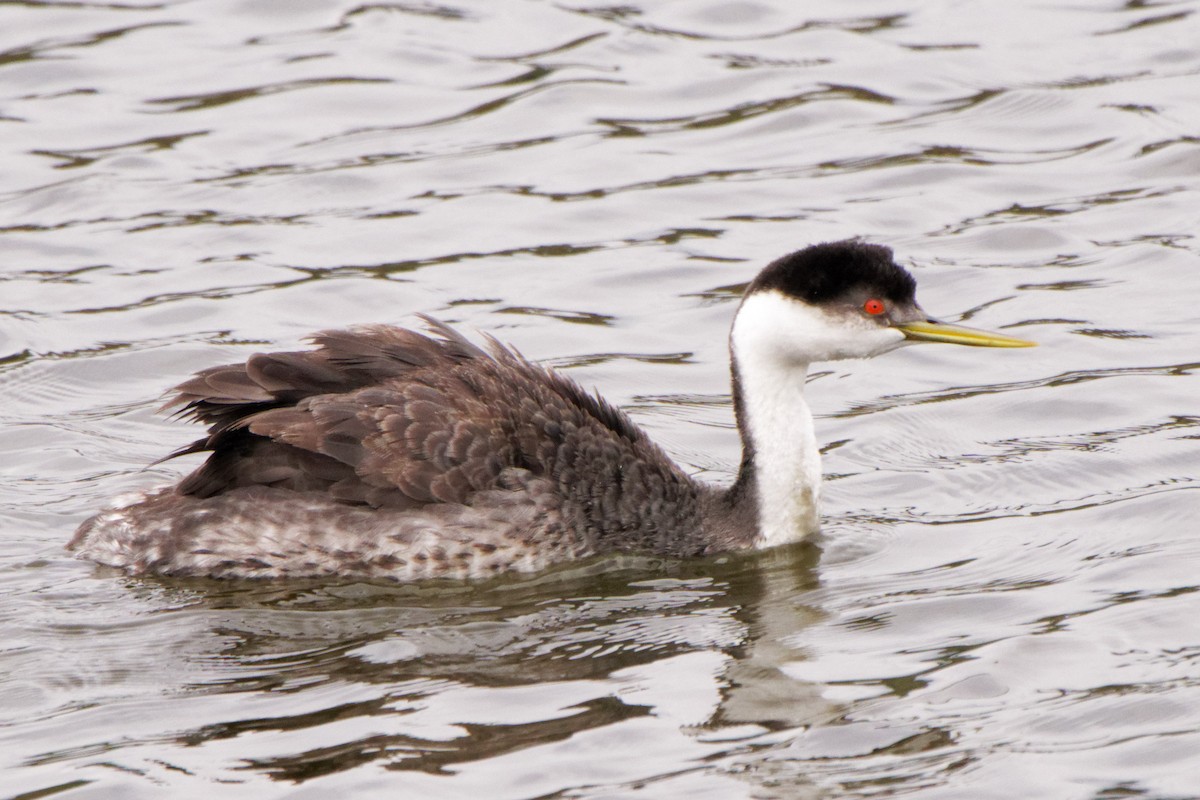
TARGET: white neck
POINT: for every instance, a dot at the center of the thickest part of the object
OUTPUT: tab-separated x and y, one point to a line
776	420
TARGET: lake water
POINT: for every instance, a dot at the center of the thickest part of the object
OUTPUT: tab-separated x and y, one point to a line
1003	602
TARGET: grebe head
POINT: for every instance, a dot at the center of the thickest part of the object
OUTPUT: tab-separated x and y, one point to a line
840	300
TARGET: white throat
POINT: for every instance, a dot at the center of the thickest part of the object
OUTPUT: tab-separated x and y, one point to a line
774	339
777	421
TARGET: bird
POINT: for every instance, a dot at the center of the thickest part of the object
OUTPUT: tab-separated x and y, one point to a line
383	452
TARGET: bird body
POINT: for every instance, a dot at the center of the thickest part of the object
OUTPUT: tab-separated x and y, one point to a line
384	452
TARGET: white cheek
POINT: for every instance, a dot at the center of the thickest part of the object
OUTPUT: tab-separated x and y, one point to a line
773	325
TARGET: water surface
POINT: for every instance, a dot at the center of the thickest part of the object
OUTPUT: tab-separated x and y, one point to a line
1003	600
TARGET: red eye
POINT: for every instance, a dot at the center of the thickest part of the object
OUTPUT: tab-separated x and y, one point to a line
873	307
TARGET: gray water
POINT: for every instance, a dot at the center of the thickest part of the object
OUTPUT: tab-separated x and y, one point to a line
1003	602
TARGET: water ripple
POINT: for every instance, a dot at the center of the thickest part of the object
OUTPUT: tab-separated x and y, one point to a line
1002	599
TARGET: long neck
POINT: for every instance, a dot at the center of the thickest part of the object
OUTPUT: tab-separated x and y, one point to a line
780	474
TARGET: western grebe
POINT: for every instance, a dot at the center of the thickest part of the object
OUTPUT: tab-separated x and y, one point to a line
388	453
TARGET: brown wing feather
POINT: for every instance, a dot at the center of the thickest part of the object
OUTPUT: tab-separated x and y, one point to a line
389	417
344	360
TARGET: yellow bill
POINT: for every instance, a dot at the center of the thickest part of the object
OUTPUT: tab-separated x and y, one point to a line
927	331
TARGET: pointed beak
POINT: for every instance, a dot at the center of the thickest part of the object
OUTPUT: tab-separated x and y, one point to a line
934	331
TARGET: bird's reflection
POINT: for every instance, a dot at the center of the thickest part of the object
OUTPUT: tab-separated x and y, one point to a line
551	647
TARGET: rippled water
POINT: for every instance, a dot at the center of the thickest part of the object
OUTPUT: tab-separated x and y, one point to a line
1003	602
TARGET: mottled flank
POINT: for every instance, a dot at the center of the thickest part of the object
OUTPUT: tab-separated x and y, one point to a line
385	452
259	532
